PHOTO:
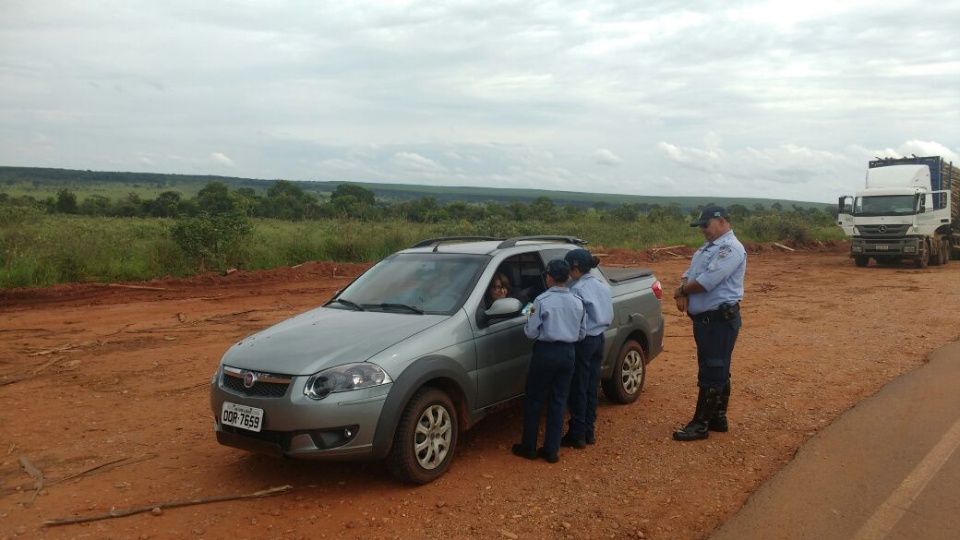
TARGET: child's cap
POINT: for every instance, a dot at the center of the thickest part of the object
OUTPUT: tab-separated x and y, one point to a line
558	269
579	258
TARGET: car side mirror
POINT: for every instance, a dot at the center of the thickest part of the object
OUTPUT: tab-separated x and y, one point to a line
504	307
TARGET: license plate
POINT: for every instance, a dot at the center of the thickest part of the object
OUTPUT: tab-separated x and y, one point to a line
881	247
241	416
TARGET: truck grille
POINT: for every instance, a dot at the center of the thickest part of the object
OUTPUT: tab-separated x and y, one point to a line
255	383
883	231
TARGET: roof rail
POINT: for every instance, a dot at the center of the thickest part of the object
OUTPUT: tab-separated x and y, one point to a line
433	241
510	242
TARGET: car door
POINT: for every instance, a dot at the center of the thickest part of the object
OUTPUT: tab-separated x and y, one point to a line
503	350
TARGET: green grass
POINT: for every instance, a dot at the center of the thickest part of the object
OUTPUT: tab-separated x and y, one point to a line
38	249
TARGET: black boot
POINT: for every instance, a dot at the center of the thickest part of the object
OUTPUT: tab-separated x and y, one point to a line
718	422
698	427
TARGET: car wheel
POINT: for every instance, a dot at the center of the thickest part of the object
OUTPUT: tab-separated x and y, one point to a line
629	372
425	439
862	260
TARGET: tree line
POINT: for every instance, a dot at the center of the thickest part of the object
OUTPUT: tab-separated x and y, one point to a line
285	200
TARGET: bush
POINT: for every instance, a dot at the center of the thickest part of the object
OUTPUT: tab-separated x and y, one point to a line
778	227
214	241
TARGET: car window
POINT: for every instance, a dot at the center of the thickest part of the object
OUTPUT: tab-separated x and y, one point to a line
426	282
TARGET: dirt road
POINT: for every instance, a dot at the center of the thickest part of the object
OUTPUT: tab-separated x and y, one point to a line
104	392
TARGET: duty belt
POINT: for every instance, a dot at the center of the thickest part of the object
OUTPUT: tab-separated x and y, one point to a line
716	314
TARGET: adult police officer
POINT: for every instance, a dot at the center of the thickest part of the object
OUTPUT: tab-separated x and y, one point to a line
710	292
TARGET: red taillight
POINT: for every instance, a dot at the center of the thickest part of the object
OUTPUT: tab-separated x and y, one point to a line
658	290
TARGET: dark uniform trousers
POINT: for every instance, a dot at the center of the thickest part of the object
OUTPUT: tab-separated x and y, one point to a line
715	334
584	391
548	383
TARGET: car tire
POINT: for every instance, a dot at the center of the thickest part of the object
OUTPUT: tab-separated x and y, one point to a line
862	260
426	438
629	374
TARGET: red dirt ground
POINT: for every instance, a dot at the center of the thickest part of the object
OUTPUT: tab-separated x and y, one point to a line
104	392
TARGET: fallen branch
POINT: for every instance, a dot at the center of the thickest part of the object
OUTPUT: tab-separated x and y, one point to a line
170	504
119	286
61	348
225	315
191	387
37	477
122	328
781	246
47	482
48	364
107	465
667	247
674	255
11	381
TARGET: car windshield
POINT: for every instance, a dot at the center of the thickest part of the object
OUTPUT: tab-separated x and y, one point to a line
885	205
414	283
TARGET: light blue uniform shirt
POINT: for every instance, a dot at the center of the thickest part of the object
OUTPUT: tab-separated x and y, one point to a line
558	316
597	302
720	267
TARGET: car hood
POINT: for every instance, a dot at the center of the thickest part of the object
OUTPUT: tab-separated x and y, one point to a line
324	337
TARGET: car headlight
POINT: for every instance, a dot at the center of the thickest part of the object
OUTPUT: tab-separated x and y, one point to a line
345	378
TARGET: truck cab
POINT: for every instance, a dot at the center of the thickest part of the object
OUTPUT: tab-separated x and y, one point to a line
904	212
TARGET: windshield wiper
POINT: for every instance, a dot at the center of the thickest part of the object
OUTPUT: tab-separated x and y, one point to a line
407	307
346	302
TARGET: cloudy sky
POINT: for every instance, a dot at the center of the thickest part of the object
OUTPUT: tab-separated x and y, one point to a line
778	99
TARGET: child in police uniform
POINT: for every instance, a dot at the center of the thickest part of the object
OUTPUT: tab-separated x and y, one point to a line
556	322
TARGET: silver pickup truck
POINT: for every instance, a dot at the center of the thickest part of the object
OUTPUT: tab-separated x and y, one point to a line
411	353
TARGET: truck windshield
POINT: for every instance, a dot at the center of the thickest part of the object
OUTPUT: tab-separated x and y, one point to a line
413	283
885	205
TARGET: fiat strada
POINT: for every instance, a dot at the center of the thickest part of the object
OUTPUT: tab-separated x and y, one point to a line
398	363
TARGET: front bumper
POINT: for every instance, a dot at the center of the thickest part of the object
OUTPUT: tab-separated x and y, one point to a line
340	426
885	247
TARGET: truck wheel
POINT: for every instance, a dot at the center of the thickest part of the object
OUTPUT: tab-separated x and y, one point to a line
861	260
629	372
945	250
426	438
923	258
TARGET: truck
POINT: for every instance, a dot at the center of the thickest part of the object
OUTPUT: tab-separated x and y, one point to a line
909	209
413	352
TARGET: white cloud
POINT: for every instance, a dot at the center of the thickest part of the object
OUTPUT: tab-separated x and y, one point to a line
222	159
927	148
602	156
412	161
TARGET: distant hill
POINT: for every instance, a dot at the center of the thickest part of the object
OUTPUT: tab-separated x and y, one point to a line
44	182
